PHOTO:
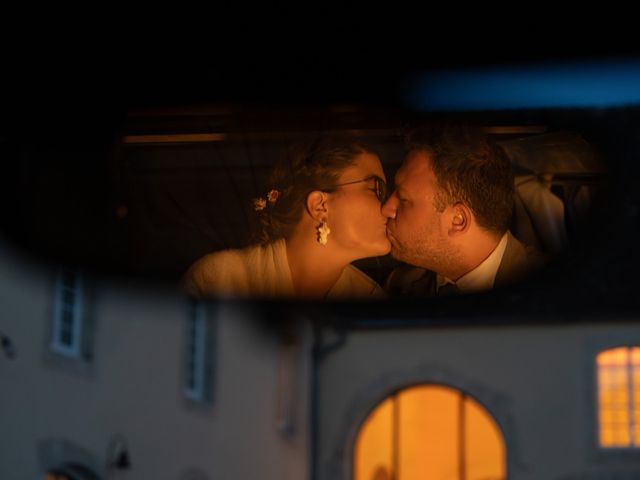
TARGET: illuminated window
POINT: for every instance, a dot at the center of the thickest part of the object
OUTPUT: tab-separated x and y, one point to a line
429	431
67	331
199	352
619	397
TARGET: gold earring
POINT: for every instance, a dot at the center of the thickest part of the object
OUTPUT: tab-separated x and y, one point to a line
323	232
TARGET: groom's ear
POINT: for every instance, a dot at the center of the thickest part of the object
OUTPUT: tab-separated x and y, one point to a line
317	207
459	217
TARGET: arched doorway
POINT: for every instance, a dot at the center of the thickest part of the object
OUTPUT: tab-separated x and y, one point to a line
429	432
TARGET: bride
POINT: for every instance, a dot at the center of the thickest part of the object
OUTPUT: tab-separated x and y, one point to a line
320	213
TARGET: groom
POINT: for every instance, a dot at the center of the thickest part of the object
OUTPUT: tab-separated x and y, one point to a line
449	215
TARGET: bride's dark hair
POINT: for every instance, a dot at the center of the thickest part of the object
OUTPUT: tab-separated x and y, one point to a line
307	166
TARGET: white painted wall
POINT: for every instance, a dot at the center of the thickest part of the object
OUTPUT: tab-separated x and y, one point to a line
133	387
538	381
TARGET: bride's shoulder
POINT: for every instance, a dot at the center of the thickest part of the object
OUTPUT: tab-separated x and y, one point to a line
216	259
213	270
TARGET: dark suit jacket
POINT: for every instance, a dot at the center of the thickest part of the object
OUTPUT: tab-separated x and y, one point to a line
517	263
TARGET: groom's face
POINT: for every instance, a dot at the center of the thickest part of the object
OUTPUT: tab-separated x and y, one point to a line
415	228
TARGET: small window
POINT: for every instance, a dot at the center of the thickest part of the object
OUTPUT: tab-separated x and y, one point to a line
198	353
67	331
619	398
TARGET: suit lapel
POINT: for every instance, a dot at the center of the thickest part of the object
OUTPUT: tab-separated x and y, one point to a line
514	262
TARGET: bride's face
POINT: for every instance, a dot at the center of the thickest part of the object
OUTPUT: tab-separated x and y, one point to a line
356	222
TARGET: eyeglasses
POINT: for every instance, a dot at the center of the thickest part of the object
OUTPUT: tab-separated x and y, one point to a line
379	185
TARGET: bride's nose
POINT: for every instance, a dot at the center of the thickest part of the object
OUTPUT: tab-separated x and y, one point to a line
390	207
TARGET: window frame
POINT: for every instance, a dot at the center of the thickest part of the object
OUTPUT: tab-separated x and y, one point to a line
199	311
497	403
596	452
630	410
463	399
74	350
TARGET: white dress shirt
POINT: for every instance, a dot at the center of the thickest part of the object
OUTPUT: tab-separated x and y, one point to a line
483	276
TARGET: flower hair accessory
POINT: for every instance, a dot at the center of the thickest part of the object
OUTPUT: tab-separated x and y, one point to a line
260	203
273	195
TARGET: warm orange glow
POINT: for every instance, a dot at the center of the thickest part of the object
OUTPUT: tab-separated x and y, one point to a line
373	452
428	433
619	396
635	355
422	427
486	455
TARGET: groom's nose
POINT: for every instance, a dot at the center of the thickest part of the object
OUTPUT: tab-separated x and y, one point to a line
390	207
